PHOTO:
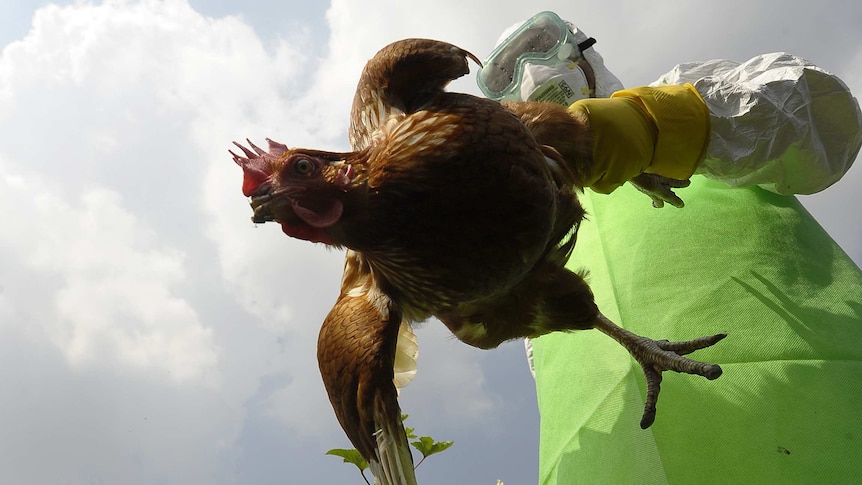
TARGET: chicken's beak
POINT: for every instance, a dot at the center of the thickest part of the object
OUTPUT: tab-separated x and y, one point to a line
267	201
260	205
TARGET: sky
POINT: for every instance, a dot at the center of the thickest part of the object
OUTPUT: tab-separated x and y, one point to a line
150	333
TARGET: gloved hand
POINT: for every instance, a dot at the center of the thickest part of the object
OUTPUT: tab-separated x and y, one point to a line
658	188
653	137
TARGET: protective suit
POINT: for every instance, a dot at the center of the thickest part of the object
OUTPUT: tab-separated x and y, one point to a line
776	121
737	259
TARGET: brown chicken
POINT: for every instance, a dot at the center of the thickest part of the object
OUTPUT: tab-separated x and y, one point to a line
450	206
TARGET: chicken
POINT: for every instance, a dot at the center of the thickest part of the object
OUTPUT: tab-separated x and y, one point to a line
450	206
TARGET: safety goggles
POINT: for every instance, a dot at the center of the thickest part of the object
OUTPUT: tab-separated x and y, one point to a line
544	39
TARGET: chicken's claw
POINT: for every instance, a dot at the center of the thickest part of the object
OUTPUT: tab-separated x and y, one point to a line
675	350
657	356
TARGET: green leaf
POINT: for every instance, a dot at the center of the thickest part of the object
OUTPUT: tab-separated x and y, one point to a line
410	434
427	446
350	456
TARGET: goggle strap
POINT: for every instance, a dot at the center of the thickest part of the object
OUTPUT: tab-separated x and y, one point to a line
586	44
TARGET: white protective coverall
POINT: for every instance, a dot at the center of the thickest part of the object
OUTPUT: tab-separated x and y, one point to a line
778	121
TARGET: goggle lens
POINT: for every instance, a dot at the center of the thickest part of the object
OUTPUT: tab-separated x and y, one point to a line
544	39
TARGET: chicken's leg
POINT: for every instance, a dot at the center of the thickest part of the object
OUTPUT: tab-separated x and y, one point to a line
656	356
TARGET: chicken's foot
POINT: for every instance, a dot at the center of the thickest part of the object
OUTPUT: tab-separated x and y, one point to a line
656	356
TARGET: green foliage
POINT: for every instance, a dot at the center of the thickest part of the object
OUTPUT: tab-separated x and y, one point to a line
350	456
426	445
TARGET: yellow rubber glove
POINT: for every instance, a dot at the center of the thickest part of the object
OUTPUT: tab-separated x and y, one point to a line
662	130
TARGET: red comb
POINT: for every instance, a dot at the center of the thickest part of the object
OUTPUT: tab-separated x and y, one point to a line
257	164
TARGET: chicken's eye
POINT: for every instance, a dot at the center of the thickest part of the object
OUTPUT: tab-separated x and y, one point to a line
303	166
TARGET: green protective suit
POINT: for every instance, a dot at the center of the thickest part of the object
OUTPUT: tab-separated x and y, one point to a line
744	261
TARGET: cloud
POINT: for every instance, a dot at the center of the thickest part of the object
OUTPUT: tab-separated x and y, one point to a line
146	315
126	348
113	303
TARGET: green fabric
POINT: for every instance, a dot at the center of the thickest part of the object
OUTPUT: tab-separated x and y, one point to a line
743	261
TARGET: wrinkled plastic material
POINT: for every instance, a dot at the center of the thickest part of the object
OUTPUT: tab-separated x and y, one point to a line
778	122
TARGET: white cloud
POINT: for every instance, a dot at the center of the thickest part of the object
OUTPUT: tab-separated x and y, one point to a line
113	302
122	359
130	259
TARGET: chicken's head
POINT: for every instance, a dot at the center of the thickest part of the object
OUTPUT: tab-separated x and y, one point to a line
301	189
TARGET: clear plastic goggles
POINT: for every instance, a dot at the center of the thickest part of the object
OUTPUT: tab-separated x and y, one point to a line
544	39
